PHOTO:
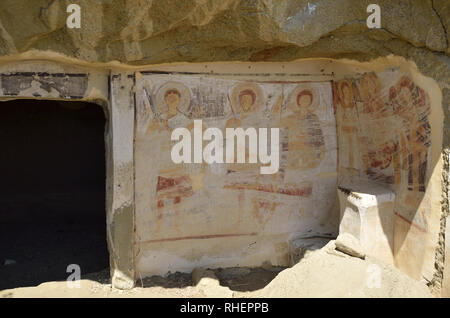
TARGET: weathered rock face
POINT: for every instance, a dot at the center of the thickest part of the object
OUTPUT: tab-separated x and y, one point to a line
150	32
144	31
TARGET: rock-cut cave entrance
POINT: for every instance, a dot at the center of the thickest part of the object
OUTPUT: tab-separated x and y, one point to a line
52	191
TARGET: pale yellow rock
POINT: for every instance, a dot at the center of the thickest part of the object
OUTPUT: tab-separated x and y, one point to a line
144	32
326	274
208	283
348	244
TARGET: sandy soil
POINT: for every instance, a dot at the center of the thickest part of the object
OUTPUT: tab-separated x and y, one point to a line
322	273
234	282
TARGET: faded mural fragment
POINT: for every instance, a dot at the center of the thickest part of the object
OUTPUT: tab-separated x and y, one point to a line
384	132
37	84
176	202
384	136
372	127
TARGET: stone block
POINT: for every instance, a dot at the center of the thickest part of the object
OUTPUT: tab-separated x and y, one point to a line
367	212
348	244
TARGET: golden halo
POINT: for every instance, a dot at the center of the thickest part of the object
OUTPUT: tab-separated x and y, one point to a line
252	89
185	98
302	89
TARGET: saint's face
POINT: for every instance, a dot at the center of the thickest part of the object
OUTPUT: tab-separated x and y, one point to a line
304	101
172	99
347	96
246	101
371	87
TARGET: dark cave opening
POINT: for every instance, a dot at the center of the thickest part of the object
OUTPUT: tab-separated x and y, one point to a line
52	191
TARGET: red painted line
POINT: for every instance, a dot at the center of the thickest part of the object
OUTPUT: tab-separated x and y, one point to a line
410	222
196	237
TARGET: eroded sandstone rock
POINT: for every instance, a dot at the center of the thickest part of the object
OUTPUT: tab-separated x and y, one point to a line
348	244
209	284
143	32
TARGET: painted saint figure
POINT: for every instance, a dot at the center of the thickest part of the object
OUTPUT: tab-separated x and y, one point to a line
348	125
172	186
306	143
246	99
376	117
410	103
